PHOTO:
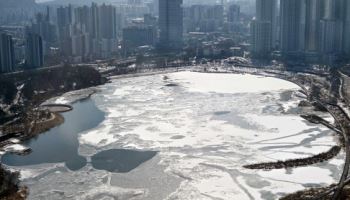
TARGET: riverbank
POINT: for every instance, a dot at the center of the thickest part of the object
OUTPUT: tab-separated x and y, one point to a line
22	118
56	108
9	186
317	193
316	105
326	90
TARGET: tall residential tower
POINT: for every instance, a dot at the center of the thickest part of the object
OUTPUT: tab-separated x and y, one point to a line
170	24
264	28
7	57
314	14
292	26
34	51
346	33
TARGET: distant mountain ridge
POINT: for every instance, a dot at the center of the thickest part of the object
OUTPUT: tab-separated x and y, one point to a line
17	12
17	3
79	2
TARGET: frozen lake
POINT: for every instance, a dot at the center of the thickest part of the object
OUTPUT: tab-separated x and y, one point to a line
181	135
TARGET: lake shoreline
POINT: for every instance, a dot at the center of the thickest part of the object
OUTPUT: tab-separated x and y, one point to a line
58	118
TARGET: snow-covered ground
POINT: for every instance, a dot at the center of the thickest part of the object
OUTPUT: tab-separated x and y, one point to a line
71	97
15	148
205	128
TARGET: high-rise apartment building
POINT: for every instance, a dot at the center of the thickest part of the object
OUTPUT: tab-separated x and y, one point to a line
331	27
205	18
89	31
136	36
64	21
346	29
34	51
170	24
292	21
107	22
233	18
261	38
314	15
7	56
312	30
156	7
264	28
234	13
45	29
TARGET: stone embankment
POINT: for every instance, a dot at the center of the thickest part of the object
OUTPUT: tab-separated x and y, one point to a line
297	162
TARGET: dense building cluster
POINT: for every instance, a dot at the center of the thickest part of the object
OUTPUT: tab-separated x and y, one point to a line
87	32
316	31
82	33
32	51
309	30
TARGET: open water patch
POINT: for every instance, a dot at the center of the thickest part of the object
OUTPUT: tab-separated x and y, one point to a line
120	160
60	144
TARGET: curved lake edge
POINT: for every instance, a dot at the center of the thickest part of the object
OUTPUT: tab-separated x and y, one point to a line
301	162
323	156
254	74
60	144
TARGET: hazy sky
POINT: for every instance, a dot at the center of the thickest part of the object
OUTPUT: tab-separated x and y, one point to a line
40	1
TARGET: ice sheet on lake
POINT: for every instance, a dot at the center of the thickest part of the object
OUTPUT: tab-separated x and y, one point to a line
205	130
231	83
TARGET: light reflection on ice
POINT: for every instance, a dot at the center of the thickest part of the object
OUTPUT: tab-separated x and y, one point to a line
228	83
300	175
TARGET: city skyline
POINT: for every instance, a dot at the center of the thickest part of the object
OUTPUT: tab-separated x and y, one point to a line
303	29
174	99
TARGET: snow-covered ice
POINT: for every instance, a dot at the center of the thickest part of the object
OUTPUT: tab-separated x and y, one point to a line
15	148
205	129
231	83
